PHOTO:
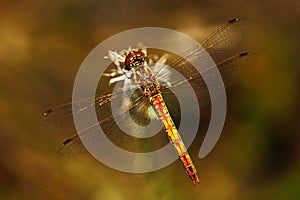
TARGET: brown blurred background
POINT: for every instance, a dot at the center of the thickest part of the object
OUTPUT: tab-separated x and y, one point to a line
42	44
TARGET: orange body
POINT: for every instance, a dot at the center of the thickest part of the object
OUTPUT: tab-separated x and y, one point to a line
174	137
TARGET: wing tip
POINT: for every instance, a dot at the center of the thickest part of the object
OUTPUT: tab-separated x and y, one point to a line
244	54
43	116
248	54
61	148
237	19
47	112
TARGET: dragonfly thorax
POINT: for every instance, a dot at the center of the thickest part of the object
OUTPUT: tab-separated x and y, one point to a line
146	80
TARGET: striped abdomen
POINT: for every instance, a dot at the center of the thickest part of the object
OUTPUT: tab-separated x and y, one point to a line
174	137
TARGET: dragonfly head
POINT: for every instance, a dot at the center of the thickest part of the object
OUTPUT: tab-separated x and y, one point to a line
135	58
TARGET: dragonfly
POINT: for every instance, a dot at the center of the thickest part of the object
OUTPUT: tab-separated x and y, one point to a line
150	88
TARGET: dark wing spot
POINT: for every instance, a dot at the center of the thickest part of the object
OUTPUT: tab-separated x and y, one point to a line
233	20
46	113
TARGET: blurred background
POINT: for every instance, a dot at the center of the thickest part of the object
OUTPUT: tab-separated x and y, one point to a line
43	43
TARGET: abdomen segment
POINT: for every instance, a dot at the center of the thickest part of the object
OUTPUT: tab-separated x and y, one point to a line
174	137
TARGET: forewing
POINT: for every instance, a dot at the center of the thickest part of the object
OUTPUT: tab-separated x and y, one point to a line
230	70
219	45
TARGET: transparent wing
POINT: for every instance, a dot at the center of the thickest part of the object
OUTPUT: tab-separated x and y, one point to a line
230	70
61	117
219	45
73	145
222	42
132	114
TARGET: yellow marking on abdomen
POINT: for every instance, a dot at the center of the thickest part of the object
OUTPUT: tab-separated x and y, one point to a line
174	137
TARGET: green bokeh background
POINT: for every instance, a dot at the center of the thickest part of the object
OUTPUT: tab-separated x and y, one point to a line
42	44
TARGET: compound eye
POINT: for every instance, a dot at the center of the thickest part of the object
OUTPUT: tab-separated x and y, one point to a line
134	59
140	55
